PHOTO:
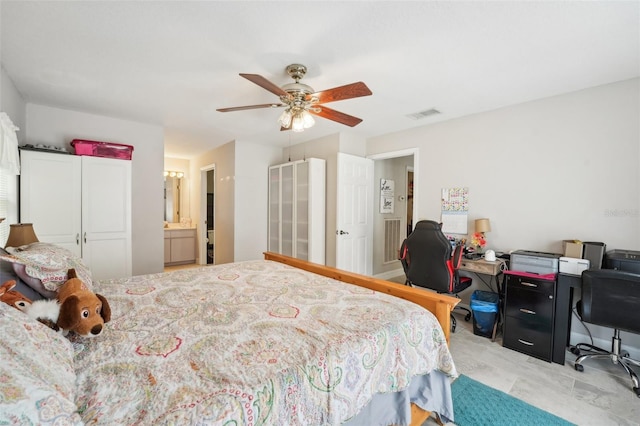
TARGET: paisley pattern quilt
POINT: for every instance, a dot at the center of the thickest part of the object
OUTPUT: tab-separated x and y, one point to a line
249	343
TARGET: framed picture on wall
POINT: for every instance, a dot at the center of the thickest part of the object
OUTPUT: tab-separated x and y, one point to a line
386	195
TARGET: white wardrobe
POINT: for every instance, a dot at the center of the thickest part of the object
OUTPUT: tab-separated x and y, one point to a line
297	209
81	203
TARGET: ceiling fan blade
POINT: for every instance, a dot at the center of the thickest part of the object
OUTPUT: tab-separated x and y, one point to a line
265	84
242	108
338	116
349	91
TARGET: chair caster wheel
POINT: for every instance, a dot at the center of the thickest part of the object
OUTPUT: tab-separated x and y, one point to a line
637	391
467	317
574	350
579	367
625	354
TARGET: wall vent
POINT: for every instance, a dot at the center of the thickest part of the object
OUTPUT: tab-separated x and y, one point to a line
391	239
424	114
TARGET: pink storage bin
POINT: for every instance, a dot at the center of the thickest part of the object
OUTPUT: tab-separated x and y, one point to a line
102	149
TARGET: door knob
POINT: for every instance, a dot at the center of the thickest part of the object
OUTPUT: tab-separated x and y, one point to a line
341	232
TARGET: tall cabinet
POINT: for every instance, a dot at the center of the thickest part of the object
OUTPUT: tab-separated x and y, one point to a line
297	209
81	203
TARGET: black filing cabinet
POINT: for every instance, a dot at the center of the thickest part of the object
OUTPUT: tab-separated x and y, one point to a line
529	314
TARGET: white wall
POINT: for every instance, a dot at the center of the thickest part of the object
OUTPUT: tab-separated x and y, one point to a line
565	167
55	126
241	195
223	157
12	103
252	199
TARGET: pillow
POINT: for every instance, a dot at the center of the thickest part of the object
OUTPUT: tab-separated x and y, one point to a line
44	266
7	273
34	284
37	378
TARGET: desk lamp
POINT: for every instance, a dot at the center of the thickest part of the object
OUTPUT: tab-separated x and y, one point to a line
21	234
482	226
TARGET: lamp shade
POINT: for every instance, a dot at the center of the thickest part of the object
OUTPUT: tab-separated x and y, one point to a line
483	225
21	234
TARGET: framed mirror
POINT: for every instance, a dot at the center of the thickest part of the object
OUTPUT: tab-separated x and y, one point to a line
172	198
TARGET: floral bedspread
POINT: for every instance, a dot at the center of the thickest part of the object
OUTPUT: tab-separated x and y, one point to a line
250	343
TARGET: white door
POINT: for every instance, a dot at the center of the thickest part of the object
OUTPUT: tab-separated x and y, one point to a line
354	233
50	197
106	217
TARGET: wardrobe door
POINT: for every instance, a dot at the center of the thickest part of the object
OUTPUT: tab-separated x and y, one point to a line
50	197
106	216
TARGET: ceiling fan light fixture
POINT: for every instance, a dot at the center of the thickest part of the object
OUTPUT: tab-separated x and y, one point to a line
297	124
308	119
285	118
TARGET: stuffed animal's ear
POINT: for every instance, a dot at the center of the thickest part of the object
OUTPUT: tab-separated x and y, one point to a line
105	313
69	313
8	285
71	273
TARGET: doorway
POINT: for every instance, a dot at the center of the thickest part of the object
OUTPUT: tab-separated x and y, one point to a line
409	200
392	225
207	214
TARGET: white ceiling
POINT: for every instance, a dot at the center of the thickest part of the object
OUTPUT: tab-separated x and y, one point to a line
173	63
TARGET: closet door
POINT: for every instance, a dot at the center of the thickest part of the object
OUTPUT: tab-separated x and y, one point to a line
106	217
287	218
274	209
50	197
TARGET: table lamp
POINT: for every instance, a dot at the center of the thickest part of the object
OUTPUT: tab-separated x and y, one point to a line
21	234
482	225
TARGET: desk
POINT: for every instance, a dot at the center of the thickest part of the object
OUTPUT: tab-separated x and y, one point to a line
484	267
564	308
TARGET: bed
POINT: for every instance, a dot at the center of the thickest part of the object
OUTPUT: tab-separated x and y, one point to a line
277	341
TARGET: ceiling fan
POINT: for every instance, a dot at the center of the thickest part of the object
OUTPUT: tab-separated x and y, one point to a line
301	101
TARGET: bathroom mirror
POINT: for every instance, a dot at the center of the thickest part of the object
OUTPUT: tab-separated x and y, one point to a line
172	190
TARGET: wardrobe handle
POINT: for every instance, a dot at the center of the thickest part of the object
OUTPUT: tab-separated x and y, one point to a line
85	238
78	239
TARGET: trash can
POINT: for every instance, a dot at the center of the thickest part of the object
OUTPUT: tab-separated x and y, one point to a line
484	306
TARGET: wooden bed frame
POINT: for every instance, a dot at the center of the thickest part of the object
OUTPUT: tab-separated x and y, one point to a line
439	304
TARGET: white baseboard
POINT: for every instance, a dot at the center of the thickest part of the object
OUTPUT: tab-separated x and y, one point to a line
390	274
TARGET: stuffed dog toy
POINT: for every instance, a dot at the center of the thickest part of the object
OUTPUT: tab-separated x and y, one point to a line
13	297
45	311
81	310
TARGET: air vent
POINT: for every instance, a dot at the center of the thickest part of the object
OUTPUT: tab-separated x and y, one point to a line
423	114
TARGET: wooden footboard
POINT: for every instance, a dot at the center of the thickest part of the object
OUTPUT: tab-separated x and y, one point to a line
439	304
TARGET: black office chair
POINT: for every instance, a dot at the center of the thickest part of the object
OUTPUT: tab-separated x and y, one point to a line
610	298
427	262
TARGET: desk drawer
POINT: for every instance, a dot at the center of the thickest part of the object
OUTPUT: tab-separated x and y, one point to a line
523	336
533	284
532	306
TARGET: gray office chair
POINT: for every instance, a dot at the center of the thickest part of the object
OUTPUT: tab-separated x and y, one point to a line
610	298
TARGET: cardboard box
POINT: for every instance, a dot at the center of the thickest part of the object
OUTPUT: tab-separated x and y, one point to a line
572	248
573	266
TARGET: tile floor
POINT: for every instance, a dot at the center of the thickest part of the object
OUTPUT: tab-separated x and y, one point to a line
601	395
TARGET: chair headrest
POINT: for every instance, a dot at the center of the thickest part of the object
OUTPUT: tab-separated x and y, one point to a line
429	225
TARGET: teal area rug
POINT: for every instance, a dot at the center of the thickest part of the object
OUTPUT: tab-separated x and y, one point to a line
475	404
